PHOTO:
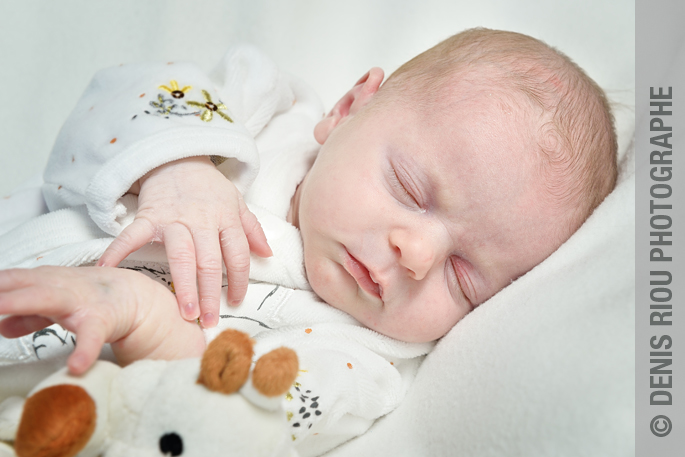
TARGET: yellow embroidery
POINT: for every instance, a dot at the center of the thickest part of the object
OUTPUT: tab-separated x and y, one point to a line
297	384
210	108
163	106
293	437
289	415
174	90
288	396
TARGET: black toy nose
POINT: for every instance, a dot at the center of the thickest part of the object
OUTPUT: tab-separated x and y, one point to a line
171	443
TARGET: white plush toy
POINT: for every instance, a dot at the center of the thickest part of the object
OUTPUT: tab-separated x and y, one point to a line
214	406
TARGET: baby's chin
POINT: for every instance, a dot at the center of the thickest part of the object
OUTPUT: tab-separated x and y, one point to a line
402	331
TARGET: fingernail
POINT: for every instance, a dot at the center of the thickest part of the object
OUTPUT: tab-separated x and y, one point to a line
189	310
78	363
208	320
236	302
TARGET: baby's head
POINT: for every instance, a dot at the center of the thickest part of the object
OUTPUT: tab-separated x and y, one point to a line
473	163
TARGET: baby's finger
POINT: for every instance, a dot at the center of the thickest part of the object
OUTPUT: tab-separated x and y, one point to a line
135	236
41	300
18	278
253	231
209	273
236	252
16	326
90	338
180	252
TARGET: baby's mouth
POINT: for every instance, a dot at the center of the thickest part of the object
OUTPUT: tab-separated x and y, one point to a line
361	274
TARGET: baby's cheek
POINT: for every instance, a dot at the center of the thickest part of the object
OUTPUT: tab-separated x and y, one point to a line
428	322
319	276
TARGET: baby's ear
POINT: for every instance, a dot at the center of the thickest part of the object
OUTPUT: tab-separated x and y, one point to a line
350	103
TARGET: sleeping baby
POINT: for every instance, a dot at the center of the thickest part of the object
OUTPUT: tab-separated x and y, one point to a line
429	193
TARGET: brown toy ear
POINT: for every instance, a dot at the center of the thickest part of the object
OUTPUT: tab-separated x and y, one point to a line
275	372
226	362
56	422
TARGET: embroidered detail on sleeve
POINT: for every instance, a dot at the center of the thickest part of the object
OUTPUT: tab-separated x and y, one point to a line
174	89
165	107
210	108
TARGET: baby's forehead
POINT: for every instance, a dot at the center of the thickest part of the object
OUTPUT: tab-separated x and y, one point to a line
475	90
478	119
482	133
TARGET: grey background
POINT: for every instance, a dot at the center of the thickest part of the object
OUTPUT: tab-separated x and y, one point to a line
660	62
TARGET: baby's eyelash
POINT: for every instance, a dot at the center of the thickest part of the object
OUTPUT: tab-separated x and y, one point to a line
460	279
395	181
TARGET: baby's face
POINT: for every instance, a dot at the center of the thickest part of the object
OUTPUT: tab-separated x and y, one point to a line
411	219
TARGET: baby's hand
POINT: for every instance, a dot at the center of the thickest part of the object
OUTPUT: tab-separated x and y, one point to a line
199	215
100	305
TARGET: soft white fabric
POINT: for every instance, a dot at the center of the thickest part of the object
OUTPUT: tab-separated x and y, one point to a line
125	125
350	375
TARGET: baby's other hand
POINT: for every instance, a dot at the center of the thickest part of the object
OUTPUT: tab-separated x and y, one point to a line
200	217
99	305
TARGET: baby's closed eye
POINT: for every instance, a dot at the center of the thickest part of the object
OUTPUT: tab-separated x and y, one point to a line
403	187
458	275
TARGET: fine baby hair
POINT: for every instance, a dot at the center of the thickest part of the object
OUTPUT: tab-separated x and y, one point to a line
575	126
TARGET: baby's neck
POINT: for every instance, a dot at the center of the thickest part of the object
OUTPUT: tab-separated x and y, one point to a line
294	212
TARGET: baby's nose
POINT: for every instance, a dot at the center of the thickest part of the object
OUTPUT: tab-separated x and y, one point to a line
415	252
